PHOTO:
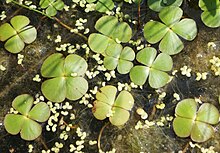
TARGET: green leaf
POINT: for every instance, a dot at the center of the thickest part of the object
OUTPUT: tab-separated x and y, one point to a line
107	94
186	28
182	126
6	31
98	42
51	11
101	109
114	50
104	5
122	32
54	89
19	21
170	15
158	78
13	123
53	66
139	74
154	31
90	1
186	109
208	113
201	132
110	63
211	18
75	87
106	105
146	56
59	5
157	5
28	34
209	5
124	100
120	116
14	44
124	66
23	103
111	27
106	25
30	130
163	62
127	54
44	3
171	43
75	64
40	117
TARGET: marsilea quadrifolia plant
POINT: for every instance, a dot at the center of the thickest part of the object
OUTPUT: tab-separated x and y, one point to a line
65	77
168	31
17	33
27	117
153	68
115	108
195	123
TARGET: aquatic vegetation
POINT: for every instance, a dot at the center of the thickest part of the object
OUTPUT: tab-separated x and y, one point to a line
51	6
26	122
17	33
112	42
65	77
114	54
168	31
158	5
102	5
111	27
193	123
154	67
120	58
107	105
211	12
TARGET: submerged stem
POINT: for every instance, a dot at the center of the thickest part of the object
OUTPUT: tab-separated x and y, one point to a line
100	135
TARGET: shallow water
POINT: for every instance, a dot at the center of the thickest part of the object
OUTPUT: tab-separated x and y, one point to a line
17	79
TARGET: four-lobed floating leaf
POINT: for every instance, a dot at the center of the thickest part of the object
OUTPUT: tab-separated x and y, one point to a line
52	6
111	27
17	33
65	77
193	123
211	14
154	67
168	31
107	105
116	56
158	5
26	121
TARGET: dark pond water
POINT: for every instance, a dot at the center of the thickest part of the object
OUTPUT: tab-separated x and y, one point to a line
18	79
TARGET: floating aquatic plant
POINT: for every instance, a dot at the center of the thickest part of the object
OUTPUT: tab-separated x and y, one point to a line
51	6
17	33
158	5
107	105
26	121
211	14
103	5
65	77
154	67
193	123
116	56
169	30
111	27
